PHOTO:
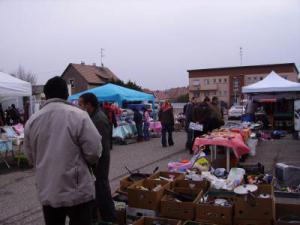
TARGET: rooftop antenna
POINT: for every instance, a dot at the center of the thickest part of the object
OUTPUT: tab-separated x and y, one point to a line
102	56
241	55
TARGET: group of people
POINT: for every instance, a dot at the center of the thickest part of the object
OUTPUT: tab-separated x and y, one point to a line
70	149
10	116
207	113
142	123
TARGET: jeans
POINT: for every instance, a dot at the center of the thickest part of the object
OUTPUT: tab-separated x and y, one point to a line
146	131
167	128
78	214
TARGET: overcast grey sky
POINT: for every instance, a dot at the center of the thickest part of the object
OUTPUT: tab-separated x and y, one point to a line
152	42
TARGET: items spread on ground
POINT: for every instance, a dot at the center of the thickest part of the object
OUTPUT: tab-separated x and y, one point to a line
196	191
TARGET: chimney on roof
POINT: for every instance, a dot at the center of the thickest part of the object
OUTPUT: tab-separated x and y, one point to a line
82	63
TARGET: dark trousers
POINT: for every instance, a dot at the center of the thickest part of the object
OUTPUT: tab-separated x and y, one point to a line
167	128
139	127
79	214
104	199
190	141
146	131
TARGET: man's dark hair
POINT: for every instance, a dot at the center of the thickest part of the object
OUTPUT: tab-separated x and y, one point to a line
56	87
206	99
90	98
215	98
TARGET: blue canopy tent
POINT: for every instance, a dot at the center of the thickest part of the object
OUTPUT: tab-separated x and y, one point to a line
115	93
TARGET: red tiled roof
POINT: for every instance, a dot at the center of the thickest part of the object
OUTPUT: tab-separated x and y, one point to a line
174	93
94	74
160	95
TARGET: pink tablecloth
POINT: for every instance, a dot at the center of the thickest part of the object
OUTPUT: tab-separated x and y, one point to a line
232	140
155	126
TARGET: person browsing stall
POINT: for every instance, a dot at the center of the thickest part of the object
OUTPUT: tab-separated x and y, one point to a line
61	141
89	103
166	117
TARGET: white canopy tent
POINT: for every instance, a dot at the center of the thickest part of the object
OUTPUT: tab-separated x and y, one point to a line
13	87
272	83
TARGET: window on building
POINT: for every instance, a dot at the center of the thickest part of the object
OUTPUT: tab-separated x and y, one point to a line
206	81
220	80
261	78
225	80
197	94
215	81
285	77
72	83
249	78
255	78
196	82
225	93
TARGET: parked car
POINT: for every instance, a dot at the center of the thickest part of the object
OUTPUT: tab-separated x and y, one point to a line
236	111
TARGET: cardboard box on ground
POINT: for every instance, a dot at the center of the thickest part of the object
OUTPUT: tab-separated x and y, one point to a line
252	222
171	208
188	186
184	210
197	223
146	199
260	207
133	214
244	211
285	212
218	214
156	220
168	176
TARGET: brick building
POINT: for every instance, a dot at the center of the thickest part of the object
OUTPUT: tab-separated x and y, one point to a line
226	83
81	77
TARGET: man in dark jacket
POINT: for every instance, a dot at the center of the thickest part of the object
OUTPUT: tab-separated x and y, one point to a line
166	117
88	102
188	118
138	119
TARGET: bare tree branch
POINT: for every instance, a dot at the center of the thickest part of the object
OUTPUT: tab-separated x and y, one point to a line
25	75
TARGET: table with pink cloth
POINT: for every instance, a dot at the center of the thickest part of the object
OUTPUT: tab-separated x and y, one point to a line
227	139
155	126
230	140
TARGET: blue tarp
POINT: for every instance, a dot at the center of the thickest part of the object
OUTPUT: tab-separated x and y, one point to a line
115	93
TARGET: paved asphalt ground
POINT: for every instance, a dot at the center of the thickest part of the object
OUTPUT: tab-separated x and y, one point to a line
18	200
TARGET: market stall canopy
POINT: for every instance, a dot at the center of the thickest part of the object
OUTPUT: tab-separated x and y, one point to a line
11	86
272	83
115	93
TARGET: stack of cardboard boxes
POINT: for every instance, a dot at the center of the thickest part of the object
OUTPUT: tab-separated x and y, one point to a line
168	198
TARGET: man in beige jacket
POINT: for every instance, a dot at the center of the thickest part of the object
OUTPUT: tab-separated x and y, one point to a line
61	141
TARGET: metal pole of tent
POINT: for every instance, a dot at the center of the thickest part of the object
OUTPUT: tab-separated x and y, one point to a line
227	159
215	152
